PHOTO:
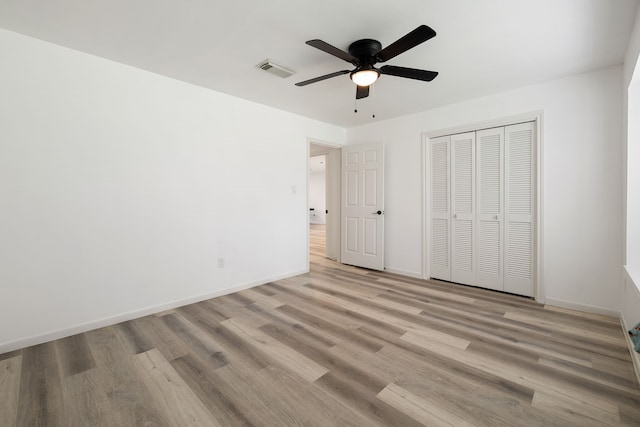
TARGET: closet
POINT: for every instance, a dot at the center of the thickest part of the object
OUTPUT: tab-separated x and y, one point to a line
482	206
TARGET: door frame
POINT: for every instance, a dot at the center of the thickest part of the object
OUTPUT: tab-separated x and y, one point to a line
331	194
538	118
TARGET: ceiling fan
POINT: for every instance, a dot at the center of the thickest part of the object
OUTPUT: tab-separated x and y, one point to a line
366	53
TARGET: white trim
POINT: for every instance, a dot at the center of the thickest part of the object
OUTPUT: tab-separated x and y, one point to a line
533	116
540	284
426	202
123	317
487	124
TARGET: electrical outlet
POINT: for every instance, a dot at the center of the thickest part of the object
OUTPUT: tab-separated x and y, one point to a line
220	262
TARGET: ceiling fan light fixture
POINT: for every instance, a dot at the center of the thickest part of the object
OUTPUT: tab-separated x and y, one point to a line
365	77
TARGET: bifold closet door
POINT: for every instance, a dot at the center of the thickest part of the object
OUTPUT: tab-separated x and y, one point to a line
463	183
440	208
519	208
490	205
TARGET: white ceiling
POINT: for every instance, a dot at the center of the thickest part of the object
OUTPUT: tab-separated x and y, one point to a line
482	46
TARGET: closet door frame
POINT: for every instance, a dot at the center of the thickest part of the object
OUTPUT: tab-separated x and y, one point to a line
538	118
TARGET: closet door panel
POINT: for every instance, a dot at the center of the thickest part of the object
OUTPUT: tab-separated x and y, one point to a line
490	208
463	208
439	244
519	208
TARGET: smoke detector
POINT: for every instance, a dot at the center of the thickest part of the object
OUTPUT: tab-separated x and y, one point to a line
271	67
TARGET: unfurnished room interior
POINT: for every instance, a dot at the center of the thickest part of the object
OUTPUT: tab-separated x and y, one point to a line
338	213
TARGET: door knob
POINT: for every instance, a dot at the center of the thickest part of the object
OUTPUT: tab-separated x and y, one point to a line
377	213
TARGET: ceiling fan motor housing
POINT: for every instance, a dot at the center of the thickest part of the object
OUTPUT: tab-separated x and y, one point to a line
365	50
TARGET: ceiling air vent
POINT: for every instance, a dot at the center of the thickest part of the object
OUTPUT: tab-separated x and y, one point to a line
273	68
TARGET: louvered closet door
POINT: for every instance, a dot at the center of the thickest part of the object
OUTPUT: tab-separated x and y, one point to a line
519	209
439	207
490	217
463	208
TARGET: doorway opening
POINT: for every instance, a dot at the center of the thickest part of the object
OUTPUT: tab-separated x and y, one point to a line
323	189
317	205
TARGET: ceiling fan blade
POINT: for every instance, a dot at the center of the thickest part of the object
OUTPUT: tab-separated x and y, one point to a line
362	92
321	78
409	73
332	50
411	40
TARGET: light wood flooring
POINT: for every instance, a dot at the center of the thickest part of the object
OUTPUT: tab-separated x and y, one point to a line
340	346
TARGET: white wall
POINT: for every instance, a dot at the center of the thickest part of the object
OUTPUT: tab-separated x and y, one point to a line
582	193
317	197
120	189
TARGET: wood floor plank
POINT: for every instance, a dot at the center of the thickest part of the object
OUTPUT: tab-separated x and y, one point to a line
121	380
481	398
325	357
11	354
75	355
325	409
236	350
10	370
528	377
427	337
574	410
183	406
256	400
163	338
210	391
376	411
262	300
561	327
40	401
86	402
584	315
279	353
420	409
197	341
133	337
624	384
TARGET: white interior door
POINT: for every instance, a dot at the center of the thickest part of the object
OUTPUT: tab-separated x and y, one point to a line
490	236
463	222
439	206
362	225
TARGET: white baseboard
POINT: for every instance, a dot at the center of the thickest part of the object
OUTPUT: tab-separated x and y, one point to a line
414	274
123	317
582	307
